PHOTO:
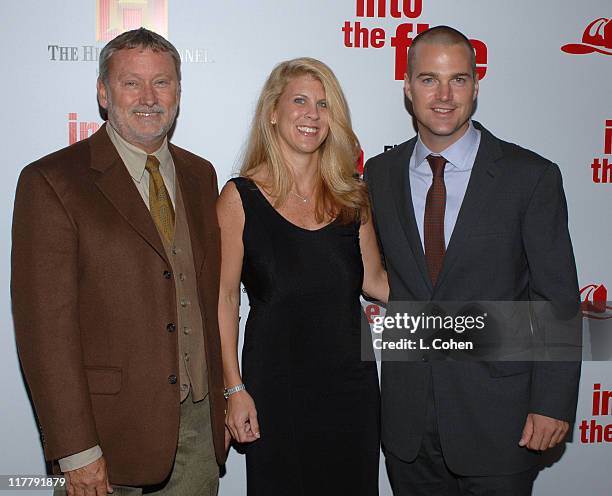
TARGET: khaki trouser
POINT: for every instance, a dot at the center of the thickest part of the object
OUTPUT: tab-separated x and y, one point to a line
195	471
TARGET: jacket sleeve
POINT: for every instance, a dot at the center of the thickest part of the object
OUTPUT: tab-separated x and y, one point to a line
44	289
555	299
369	181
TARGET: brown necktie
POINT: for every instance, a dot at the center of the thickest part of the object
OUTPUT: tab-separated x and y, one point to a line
160	204
434	218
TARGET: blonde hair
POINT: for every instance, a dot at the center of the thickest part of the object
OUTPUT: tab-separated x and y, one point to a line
340	193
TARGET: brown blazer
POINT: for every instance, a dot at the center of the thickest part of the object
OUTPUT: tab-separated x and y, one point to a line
94	307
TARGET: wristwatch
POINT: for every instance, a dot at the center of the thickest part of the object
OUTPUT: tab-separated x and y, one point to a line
227	392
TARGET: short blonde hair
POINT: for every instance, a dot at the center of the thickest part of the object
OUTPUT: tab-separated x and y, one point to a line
340	192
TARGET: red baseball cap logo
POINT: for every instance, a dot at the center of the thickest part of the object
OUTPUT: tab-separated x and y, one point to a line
597	37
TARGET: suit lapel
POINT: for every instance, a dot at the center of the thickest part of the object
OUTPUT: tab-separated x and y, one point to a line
118	187
476	196
191	192
402	194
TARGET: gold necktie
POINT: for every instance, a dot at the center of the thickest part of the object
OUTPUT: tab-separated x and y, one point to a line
159	200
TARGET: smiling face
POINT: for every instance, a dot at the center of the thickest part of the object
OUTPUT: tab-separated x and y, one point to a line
442	91
301	117
141	96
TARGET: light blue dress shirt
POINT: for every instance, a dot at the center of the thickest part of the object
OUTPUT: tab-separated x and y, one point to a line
460	156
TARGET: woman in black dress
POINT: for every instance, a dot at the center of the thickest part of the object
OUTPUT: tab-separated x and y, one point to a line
295	229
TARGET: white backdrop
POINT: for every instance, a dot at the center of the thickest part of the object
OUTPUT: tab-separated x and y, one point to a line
533	93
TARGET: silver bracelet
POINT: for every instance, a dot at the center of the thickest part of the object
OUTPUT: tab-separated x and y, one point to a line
227	392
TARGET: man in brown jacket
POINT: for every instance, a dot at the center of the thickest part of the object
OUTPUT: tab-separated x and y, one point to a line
115	276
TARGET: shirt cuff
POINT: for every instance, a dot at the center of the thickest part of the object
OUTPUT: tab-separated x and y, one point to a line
79	460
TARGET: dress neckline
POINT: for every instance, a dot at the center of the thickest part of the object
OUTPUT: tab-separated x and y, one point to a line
282	217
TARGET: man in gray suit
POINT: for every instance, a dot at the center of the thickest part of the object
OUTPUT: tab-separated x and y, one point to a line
464	216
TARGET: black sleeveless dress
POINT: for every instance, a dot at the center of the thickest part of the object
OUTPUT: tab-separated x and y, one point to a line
317	401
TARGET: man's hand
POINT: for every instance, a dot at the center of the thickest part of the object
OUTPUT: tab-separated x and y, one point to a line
541	432
90	480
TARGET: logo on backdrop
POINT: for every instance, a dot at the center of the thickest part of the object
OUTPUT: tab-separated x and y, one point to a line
80	130
114	17
601	167
356	35
359	164
594	302
597	38
592	431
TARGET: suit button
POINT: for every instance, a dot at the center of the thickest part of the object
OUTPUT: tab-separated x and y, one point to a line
167	274
171	327
424	358
172	379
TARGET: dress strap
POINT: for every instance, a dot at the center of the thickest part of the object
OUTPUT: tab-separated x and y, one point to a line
246	188
250	196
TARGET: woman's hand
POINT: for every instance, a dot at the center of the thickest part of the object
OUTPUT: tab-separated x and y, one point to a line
241	417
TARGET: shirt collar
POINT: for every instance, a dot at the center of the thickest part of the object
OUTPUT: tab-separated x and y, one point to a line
134	158
456	154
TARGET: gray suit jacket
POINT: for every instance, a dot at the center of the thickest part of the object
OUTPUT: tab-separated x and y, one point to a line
510	243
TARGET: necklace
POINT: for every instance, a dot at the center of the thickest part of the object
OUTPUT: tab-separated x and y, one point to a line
303	198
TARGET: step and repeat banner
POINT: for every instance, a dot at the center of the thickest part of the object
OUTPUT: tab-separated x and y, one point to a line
546	83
